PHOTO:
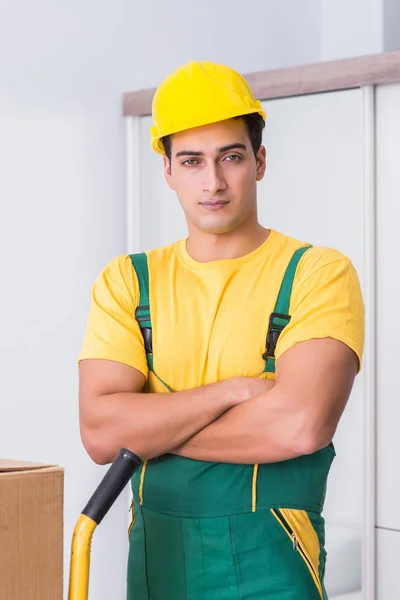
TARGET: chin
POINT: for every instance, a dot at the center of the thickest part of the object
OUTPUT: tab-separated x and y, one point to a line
217	227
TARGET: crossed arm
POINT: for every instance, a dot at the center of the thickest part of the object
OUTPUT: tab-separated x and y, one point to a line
223	422
297	416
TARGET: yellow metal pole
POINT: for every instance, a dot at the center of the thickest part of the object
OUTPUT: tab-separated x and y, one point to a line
80	558
98	506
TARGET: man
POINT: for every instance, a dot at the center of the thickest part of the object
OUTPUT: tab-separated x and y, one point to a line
228	501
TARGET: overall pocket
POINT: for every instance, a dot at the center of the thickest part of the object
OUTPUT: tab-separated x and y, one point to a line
304	539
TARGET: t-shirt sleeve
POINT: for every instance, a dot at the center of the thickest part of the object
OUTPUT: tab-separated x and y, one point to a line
112	332
326	301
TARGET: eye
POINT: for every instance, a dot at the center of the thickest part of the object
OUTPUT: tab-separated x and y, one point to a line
190	162
233	158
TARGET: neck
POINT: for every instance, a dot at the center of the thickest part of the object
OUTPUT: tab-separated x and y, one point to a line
206	247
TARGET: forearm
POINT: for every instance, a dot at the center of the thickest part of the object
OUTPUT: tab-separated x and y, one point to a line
263	430
153	424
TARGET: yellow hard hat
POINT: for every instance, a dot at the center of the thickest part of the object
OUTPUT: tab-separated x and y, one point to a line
199	93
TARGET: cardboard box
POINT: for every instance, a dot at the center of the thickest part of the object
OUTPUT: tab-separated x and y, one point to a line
31	531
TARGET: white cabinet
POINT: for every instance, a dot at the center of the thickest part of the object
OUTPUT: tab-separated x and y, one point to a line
388	555
388	321
313	190
313	184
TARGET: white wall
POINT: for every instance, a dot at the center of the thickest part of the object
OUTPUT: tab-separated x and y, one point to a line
351	28
358	27
63	69
251	36
391	19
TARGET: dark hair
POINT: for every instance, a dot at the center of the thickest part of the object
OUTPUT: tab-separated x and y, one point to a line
254	123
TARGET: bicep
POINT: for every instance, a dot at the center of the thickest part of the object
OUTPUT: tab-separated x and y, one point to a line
319	352
317	376
97	378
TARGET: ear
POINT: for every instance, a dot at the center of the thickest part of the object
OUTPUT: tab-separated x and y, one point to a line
261	160
167	172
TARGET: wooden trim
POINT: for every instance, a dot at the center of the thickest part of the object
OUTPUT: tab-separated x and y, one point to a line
296	81
138	104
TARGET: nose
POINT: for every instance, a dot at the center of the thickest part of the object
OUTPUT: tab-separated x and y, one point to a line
214	181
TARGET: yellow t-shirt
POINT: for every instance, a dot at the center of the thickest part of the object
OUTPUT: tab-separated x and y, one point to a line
210	319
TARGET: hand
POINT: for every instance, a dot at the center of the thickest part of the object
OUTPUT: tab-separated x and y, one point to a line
240	389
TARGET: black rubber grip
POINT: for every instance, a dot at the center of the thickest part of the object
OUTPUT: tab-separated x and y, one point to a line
111	485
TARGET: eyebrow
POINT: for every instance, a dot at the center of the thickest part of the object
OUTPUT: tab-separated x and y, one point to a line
235	146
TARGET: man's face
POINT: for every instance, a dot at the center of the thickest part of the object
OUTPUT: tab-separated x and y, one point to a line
214	173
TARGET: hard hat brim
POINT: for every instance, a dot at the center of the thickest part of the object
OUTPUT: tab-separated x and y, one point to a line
158	146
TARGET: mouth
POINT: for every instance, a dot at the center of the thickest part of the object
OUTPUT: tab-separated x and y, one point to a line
214	204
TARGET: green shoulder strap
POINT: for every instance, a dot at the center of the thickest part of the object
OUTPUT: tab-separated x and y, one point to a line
280	317
142	313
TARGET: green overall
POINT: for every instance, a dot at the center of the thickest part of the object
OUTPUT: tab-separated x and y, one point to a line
214	531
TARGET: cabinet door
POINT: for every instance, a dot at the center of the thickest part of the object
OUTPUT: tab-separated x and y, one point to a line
388	288
313	191
388	549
